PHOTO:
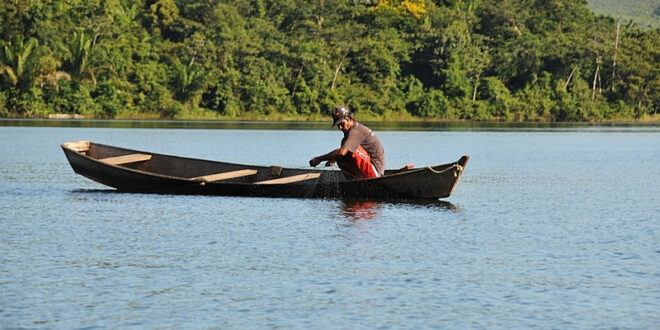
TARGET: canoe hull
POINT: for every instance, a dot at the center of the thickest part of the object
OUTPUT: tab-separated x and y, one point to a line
166	174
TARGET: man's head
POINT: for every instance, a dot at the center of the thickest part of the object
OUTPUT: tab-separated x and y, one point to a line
340	115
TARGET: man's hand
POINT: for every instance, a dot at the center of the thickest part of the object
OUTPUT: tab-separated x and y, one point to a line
314	161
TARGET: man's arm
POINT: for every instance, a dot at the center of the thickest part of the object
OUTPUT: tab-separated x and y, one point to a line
332	156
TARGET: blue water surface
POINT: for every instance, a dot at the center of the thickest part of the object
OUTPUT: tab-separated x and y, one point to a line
548	228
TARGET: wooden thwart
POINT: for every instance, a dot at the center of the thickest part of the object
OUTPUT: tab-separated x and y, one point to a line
225	175
126	159
290	179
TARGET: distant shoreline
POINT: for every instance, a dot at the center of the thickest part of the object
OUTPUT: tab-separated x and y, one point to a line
654	118
324	125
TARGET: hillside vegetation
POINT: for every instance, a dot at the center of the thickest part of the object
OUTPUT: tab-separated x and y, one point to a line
646	13
514	60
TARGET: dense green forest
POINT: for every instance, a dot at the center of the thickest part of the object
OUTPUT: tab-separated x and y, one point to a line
646	13
514	60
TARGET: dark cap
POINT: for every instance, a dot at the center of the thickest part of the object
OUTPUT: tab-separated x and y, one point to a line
340	113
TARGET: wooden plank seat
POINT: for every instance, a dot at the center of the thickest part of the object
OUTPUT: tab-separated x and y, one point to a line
225	175
126	159
290	179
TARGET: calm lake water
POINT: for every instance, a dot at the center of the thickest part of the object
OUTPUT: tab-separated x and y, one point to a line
550	227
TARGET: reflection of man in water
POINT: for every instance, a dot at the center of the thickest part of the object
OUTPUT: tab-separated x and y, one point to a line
361	211
361	154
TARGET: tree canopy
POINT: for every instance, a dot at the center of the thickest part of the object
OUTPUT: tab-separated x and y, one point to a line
522	60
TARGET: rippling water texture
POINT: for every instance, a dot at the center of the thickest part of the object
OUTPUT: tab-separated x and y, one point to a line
549	228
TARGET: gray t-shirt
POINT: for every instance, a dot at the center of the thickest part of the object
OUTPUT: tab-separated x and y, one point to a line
362	135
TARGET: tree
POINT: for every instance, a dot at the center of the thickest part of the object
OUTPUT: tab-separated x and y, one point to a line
26	68
638	70
77	55
188	81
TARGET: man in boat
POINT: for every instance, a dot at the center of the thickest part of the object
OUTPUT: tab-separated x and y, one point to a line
361	154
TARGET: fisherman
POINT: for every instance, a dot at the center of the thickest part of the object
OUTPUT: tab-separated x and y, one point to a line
361	154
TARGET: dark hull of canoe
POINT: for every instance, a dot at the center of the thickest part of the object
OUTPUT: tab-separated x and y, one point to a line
167	174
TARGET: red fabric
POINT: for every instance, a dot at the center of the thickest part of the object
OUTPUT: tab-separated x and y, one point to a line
358	164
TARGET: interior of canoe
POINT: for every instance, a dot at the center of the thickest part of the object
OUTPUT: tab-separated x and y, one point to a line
198	169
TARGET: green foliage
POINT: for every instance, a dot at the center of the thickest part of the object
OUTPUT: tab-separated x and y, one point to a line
293	59
498	99
432	104
3	100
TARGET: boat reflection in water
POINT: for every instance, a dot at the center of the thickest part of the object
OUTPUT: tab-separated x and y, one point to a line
361	210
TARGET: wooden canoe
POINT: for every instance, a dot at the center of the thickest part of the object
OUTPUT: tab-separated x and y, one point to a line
145	172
